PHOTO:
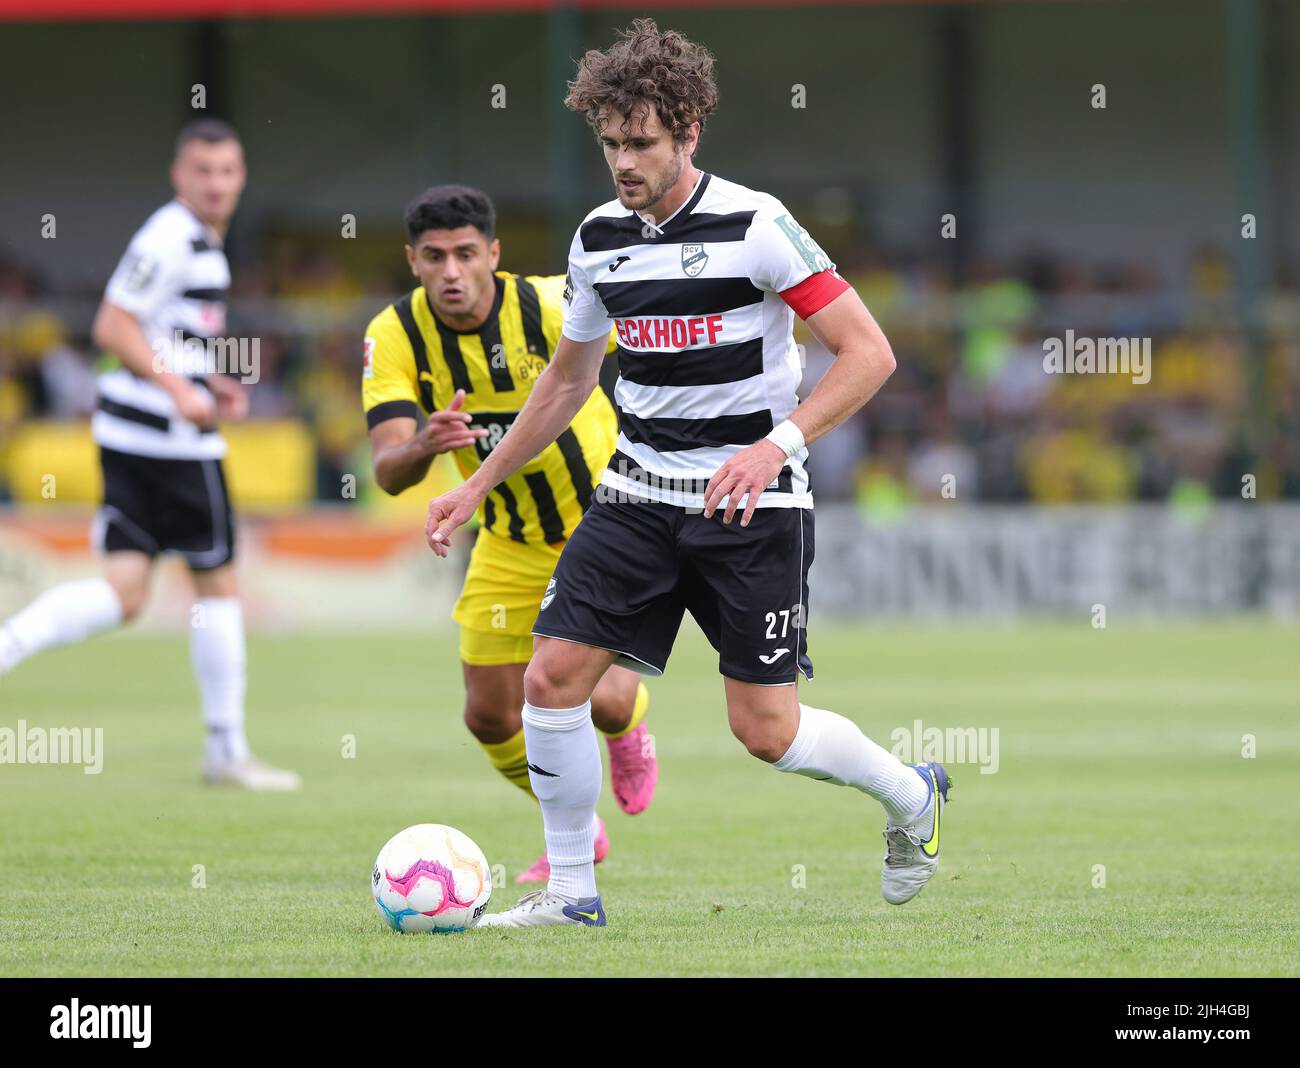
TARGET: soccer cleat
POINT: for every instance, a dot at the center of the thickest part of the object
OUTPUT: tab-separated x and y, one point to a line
541	908
633	769
251	774
541	869
912	848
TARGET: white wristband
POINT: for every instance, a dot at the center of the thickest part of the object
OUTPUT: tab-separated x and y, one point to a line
787	437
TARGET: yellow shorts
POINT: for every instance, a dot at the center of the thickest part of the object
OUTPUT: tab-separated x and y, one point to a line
498	603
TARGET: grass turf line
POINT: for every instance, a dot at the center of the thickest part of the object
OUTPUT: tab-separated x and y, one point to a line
1119	748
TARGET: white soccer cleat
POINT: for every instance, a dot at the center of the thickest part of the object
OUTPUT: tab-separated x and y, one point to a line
541	908
251	774
912	849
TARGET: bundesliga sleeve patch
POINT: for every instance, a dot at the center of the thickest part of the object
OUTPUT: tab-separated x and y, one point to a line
808	249
140	274
814	293
368	359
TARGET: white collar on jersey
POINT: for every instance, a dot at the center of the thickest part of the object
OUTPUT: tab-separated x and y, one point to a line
658	228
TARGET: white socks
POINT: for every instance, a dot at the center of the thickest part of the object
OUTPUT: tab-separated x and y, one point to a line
831	748
217	651
564	768
76	610
67	613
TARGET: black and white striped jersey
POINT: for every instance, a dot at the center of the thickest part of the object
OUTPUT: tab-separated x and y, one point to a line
173	278
703	304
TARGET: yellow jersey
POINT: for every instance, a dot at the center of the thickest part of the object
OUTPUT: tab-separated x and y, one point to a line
414	363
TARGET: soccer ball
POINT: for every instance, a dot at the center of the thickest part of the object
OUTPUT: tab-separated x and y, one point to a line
431	878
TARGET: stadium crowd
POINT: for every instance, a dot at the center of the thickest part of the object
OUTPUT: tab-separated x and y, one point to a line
970	398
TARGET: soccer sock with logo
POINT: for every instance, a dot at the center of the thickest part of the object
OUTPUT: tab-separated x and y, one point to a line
831	748
220	665
511	760
564	762
67	613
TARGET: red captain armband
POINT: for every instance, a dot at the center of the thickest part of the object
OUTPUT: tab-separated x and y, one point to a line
814	293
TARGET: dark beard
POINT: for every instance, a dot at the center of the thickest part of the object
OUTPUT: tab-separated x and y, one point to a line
657	193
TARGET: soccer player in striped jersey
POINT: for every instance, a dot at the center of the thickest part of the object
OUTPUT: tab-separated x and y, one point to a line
160	451
462	351
706	505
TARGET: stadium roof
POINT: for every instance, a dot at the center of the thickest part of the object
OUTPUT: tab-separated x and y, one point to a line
114	10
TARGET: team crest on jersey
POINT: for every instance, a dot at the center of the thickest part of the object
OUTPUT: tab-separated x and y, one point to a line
529	367
549	596
143	270
368	359
693	259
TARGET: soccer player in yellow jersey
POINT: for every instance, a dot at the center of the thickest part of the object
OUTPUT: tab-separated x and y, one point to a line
462	351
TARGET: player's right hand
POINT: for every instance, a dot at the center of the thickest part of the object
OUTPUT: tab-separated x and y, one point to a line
449	429
448	512
194	403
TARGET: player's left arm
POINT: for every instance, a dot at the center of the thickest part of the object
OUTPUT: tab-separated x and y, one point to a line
782	258
863	361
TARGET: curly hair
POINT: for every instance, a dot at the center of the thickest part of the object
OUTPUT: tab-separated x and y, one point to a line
647	66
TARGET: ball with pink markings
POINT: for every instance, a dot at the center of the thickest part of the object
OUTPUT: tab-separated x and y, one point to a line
431	878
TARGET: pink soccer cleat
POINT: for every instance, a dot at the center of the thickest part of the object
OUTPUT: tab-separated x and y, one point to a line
541	869
633	769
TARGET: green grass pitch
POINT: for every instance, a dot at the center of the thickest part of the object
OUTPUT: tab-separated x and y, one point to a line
1120	748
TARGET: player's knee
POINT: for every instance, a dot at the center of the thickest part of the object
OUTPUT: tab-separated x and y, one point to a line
132	597
768	746
489	721
545	685
765	737
613	703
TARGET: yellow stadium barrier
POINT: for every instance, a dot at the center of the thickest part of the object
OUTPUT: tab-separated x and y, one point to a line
271	465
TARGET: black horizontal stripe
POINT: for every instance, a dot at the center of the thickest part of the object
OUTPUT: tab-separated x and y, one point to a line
693	367
606	234
200	244
134	415
634	225
205	294
138	415
396	409
621	463
677	296
674	435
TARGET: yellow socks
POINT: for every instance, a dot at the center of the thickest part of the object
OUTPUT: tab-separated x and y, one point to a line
509	758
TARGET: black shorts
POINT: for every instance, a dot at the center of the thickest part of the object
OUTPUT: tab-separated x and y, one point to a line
631	569
153	506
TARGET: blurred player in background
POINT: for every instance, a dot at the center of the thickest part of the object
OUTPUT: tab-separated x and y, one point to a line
160	451
463	350
702	278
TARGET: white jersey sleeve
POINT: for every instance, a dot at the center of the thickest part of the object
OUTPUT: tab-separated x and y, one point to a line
150	271
779	253
585	317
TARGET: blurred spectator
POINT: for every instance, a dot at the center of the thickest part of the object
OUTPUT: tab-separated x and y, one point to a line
971	397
